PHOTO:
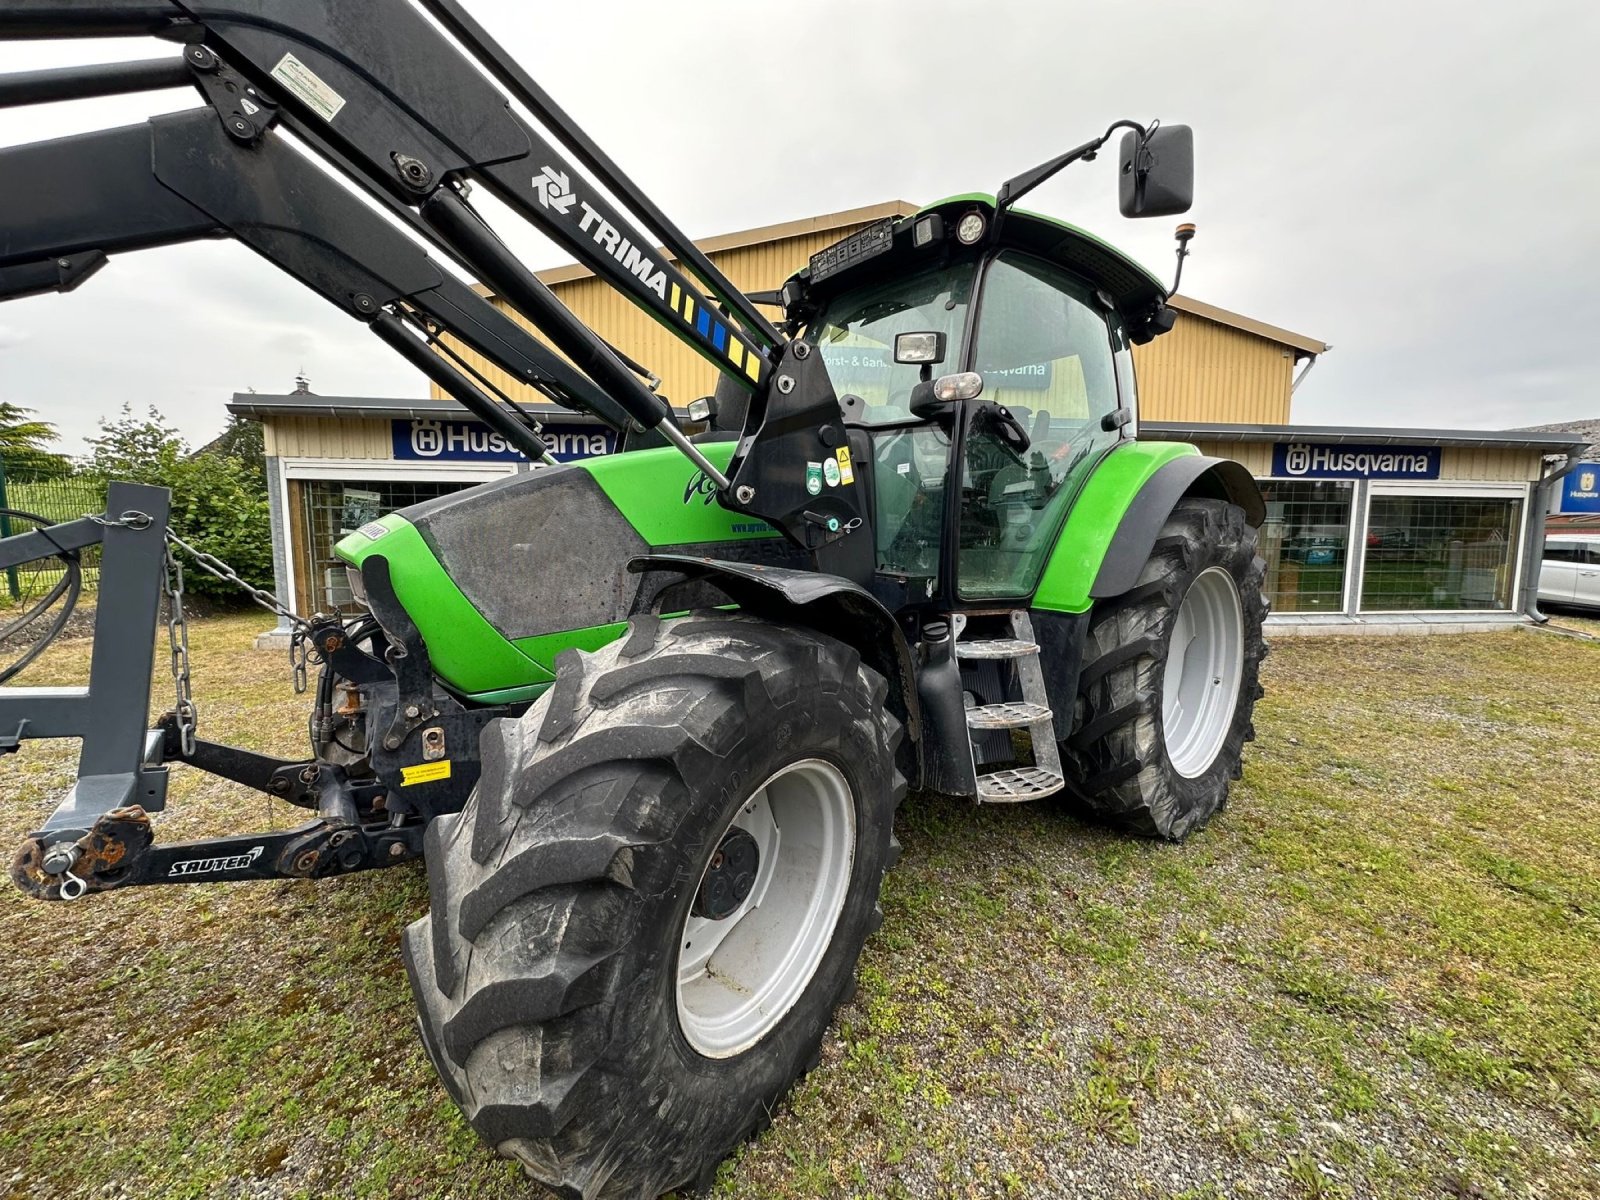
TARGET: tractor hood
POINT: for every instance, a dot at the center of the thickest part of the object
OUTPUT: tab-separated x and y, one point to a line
502	577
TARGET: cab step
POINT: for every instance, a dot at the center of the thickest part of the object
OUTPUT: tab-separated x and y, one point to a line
1010	785
1015	784
998	648
1010	715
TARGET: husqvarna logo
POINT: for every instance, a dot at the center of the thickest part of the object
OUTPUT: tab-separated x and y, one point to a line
1297	460
1586	481
427	438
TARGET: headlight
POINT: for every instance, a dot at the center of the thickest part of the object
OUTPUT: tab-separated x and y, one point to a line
970	231
358	586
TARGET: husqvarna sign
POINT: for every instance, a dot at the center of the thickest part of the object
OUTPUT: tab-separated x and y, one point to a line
429	439
1580	491
1306	460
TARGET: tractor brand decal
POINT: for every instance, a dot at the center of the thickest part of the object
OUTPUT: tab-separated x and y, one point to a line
814	478
430	439
699	485
554	190
425	772
1299	460
212	866
373	530
1580	491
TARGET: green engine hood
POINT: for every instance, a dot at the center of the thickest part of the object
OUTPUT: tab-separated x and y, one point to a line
501	578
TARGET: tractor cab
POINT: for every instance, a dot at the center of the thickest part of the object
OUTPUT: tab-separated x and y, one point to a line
986	366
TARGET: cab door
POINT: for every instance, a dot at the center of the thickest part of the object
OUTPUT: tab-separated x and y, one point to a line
1049	357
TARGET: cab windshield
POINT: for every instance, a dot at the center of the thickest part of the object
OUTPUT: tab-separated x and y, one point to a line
856	336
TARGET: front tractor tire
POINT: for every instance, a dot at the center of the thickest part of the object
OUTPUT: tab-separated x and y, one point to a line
1170	677
647	913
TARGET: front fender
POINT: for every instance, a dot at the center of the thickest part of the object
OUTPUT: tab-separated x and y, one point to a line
829	604
1114	524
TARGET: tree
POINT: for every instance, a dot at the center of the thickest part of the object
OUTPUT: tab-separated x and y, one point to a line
219	503
136	450
22	446
243	440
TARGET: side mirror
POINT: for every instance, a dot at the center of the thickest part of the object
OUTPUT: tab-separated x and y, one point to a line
1156	173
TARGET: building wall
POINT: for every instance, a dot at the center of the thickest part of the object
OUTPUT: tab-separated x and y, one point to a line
1205	372
326	437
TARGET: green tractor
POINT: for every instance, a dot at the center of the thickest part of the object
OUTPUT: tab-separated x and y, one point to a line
648	718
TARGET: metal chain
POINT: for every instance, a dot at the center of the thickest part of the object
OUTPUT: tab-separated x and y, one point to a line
178	639
213	565
299	648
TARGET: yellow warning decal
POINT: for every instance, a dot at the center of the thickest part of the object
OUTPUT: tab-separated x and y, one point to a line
846	474
425	772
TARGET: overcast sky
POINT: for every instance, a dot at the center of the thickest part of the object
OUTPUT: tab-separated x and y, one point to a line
1413	182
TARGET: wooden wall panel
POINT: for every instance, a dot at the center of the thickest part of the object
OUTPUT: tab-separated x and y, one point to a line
325	437
1204	371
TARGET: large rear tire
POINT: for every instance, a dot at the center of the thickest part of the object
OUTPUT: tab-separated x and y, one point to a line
715	779
1170	678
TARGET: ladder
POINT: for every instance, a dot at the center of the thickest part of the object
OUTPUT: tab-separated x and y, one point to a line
1011	785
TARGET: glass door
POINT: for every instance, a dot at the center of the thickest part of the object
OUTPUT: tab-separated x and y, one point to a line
1046	355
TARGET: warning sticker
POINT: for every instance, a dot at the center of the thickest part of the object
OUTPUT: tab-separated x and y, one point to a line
847	474
425	772
308	87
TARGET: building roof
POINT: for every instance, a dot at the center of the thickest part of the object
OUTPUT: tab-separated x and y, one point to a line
1588	430
1298	342
305	404
761	233
1503	439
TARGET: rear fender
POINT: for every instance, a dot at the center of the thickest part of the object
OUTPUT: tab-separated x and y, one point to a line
828	604
1135	539
1115	521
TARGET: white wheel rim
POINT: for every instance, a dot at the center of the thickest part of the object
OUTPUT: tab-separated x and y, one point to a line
1205	662
739	976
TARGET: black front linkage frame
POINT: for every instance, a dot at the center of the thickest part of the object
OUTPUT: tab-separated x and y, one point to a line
423	761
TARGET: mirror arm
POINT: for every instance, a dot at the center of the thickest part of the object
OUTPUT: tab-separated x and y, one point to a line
1019	186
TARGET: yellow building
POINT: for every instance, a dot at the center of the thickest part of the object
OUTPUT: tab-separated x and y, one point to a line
1362	524
1214	365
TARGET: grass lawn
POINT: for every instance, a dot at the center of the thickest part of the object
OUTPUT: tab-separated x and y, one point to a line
1376	974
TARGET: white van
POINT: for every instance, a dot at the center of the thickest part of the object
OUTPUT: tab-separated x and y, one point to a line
1570	573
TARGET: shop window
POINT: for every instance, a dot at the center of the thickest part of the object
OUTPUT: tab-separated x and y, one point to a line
1439	552
1305	541
329	511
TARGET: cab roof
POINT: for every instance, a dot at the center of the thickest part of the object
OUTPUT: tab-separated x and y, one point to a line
1130	285
1133	290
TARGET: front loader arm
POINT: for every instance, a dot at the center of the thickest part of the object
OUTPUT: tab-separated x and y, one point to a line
182	177
375	80
380	92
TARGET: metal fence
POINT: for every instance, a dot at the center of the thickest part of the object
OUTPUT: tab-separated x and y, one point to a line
50	501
